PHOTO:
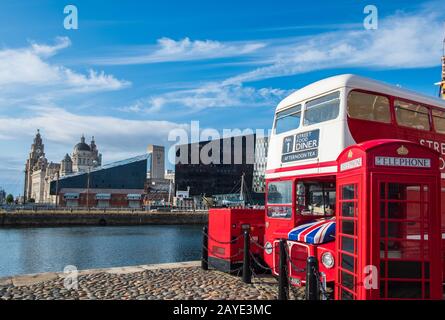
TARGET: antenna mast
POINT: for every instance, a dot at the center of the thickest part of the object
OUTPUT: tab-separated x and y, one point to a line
442	83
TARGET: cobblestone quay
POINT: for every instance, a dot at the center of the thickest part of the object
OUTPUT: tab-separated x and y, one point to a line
178	281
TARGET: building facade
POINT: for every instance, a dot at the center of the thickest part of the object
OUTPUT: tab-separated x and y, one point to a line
157	163
259	168
2	196
215	167
39	173
117	185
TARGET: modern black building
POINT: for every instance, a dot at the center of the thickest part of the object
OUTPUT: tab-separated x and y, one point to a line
215	167
119	184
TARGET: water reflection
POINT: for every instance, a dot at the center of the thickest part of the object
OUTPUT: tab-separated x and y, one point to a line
34	250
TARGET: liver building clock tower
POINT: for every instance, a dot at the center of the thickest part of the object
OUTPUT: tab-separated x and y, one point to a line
37	152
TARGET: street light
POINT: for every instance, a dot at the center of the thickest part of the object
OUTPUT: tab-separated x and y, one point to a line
57	189
88	184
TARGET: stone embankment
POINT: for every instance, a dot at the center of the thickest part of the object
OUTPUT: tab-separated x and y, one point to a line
99	218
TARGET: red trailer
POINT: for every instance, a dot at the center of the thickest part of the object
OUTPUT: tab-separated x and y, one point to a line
225	236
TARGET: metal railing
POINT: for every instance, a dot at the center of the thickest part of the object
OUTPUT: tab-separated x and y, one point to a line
314	289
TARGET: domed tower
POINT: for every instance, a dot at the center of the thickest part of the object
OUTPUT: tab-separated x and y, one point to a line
66	166
85	157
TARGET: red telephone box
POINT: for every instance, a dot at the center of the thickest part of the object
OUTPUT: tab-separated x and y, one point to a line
388	233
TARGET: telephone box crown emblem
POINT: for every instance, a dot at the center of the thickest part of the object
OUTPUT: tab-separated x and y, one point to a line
350	154
403	151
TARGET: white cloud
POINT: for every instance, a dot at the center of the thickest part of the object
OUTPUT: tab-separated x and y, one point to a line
168	50
25	67
48	50
116	137
401	41
213	95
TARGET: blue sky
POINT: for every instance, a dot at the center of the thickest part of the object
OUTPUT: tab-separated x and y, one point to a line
135	70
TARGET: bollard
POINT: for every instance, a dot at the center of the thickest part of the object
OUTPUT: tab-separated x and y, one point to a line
283	285
247	273
205	249
312	287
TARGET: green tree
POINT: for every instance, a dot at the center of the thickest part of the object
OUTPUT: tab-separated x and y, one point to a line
9	199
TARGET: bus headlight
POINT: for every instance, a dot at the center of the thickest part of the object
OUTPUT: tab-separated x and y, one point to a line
327	259
268	248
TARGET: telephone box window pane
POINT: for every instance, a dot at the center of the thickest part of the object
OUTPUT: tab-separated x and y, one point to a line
345	295
382	210
347	262
347	227
427	270
405	269
405	230
382	229
397	191
347	244
382	269
404	290
367	106
396	210
347	209
347	280
348	192
413	211
382	190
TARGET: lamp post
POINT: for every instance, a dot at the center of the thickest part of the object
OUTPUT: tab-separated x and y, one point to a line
88	184
88	189
57	189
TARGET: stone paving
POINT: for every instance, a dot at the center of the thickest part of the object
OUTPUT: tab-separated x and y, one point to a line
185	281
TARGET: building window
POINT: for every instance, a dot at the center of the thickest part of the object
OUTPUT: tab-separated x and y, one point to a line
370	107
412	115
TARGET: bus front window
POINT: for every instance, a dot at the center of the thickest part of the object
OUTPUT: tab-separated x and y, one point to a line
315	198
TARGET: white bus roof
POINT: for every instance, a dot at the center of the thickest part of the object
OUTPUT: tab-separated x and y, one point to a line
357	82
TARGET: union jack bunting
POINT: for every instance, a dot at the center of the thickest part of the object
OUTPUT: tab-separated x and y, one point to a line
315	232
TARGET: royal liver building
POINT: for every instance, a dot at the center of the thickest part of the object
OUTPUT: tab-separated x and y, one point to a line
39	172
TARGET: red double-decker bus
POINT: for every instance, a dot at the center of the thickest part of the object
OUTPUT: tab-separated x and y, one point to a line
312	128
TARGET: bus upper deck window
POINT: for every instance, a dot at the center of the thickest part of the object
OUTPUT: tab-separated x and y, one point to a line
412	115
288	119
367	106
322	109
439	120
316	198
